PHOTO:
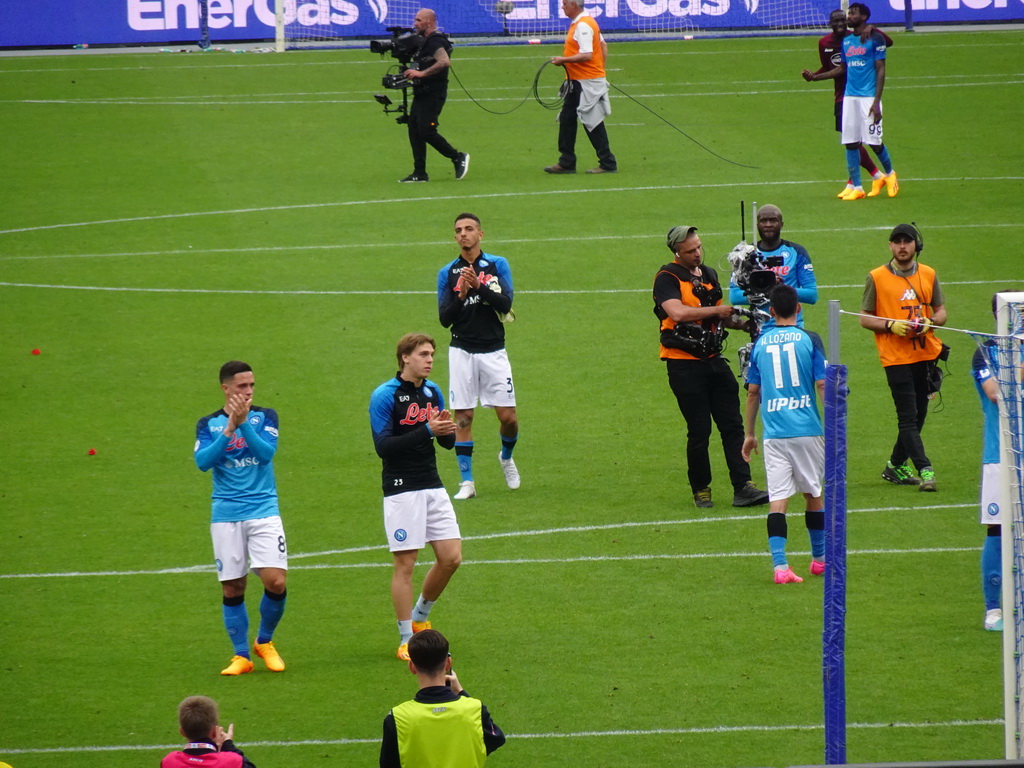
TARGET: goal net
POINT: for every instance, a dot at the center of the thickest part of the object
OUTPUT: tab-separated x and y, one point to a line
348	23
332	23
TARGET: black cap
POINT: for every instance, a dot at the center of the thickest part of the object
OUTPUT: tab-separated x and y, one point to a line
907	230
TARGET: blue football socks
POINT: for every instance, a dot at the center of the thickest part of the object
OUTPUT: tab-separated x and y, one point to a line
464	455
271	611
883	158
853	166
991	571
507	445
236	621
815	522
778	530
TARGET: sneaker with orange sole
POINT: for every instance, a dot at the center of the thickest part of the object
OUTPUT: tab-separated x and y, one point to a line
876	186
857	193
419	626
239	666
892	184
270	656
403	652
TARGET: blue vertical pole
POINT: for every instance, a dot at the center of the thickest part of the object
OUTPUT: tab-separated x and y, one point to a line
833	636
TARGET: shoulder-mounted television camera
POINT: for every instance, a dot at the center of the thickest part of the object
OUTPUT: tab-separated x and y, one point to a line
752	272
404	44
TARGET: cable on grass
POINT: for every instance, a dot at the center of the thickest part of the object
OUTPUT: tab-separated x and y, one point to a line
680	130
533	91
556	103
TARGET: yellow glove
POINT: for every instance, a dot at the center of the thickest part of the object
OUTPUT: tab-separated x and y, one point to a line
899	327
922	326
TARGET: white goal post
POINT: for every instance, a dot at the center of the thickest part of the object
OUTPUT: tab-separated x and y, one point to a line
1007	350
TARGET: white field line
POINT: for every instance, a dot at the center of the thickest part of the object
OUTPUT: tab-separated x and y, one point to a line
359	95
478	196
319	99
190	251
633	732
294	58
205	568
251	292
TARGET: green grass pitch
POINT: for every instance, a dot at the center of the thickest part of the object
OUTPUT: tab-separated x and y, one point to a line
164	213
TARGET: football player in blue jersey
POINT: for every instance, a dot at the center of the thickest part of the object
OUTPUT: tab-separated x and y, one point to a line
863	63
407	415
785	379
474	299
991	552
238	443
830	55
795	270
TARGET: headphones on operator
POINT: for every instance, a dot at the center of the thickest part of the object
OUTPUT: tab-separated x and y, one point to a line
910	230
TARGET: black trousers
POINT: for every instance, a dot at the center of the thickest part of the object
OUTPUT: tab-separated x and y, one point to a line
909	387
423	116
567	123
706	390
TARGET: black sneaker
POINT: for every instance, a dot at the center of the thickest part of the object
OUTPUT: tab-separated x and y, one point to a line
749	496
901	475
414	177
461	165
702	498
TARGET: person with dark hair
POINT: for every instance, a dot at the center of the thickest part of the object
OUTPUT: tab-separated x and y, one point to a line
407	415
429	92
443	726
586	91
863	65
474	299
688	304
209	745
238	442
830	54
795	268
902	303
784	381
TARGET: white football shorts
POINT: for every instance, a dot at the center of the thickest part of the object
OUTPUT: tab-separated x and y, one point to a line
794	465
858	125
989	508
262	539
413	518
485	376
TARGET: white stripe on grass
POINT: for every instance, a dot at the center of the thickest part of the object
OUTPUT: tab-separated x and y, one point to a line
278	249
477	196
613	733
204	568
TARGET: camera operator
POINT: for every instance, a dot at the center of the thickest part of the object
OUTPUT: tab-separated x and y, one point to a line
688	302
789	261
429	91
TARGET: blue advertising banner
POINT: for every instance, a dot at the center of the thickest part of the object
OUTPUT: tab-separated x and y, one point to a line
152	22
